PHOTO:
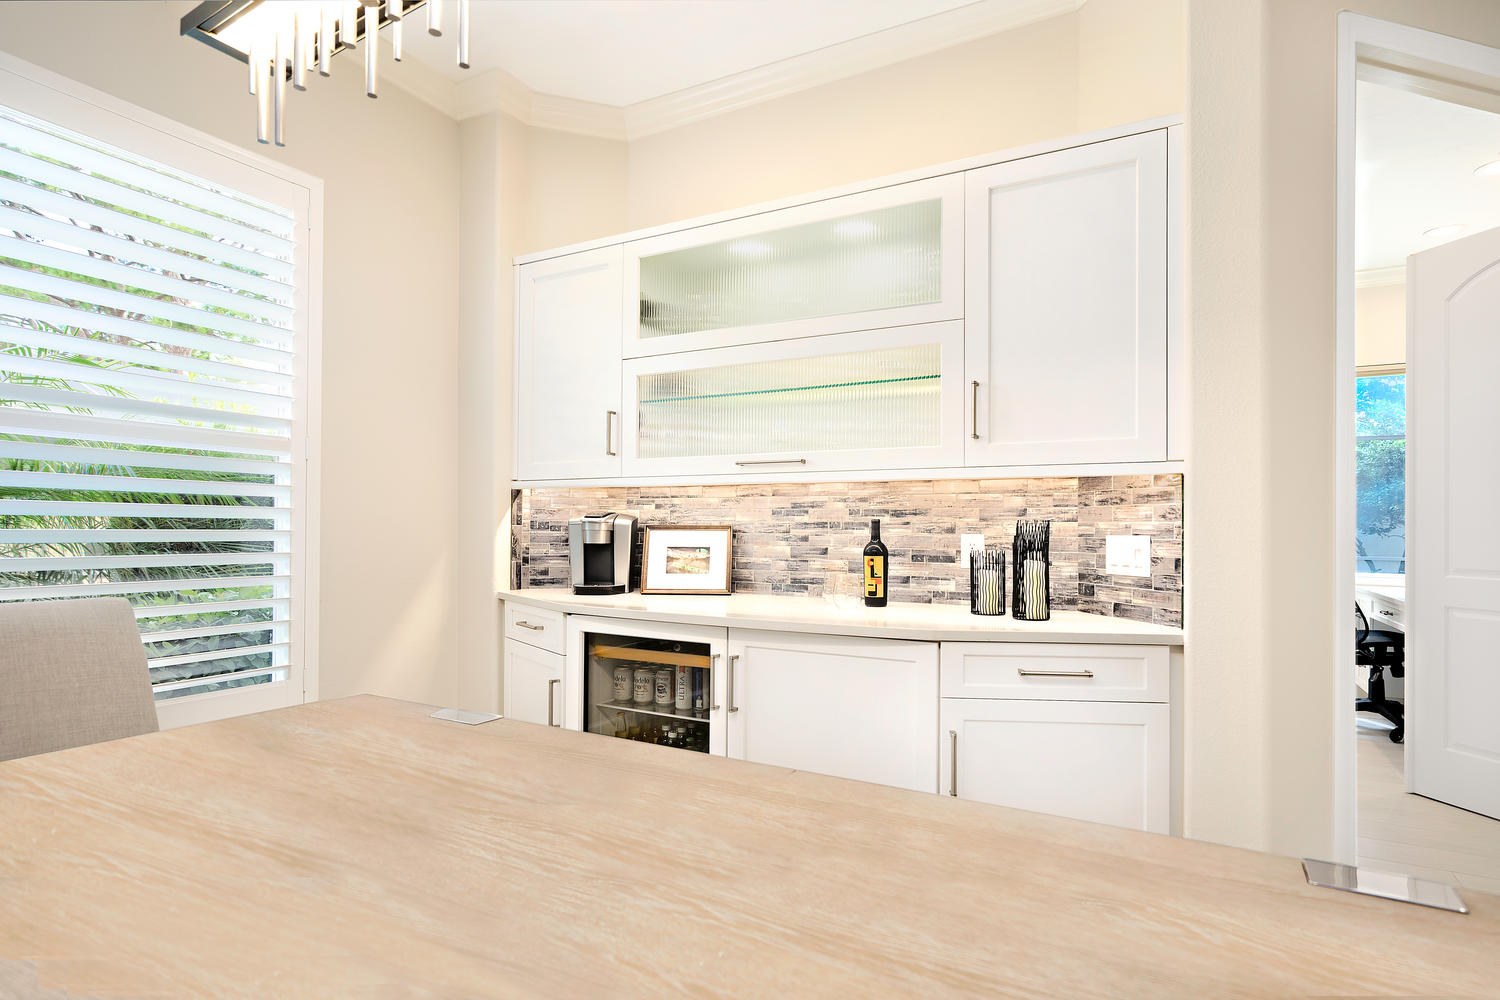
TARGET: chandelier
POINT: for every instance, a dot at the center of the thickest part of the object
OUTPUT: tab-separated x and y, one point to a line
284	41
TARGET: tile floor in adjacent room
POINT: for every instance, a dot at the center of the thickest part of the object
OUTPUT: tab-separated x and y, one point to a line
1406	833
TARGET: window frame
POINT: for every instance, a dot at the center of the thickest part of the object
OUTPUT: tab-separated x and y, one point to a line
1361	578
64	102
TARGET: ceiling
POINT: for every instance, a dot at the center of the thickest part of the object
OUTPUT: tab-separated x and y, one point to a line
624	68
621	52
1414	168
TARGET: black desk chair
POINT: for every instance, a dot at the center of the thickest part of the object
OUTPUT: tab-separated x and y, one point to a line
1380	651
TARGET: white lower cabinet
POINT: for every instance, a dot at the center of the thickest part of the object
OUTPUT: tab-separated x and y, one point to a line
534	684
1108	762
850	707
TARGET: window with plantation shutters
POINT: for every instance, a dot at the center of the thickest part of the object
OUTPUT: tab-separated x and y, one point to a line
151	414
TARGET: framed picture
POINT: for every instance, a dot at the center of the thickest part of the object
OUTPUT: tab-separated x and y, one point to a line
687	559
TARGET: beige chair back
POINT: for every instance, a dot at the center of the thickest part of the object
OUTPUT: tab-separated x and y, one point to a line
71	673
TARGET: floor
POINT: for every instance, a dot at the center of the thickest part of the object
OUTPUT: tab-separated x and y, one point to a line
1399	832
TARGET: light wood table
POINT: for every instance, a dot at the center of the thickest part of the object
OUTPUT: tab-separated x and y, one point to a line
358	848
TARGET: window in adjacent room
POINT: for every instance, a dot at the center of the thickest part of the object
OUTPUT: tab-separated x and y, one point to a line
1380	471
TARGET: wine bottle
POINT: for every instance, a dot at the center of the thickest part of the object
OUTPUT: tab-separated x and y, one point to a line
877	566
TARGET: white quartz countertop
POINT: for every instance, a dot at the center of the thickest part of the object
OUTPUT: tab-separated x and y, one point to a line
927	622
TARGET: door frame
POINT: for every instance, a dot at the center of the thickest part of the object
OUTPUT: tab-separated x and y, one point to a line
1398	46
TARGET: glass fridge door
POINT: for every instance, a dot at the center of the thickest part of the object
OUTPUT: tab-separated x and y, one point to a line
654	690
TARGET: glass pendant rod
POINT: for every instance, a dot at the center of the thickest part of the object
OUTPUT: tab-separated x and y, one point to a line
396	40
299	49
250	62
278	80
262	67
463	34
395	9
435	17
325	40
350	27
372	48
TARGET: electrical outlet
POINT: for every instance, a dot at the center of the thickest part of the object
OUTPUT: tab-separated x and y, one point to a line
969	543
1127	555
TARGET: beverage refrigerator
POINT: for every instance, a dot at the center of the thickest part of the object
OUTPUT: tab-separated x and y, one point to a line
652	684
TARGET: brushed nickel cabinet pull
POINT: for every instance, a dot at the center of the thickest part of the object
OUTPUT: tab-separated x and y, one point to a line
713	664
953	771
775	461
609	431
1054	673
729	684
551	701
974	406
523	623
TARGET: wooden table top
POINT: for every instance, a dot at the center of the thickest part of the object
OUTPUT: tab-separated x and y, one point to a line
357	848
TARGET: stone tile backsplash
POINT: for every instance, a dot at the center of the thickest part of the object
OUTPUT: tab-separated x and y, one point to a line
790	538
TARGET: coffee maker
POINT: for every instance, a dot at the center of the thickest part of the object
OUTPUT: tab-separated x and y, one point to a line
599	547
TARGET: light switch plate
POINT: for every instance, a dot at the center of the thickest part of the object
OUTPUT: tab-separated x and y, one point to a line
969	543
1127	555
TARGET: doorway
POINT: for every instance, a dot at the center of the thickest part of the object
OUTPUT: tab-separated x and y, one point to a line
1419	168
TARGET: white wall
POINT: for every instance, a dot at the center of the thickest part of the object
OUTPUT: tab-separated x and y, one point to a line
390	361
1380	325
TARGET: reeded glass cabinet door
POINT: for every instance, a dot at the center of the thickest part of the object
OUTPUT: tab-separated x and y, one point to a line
877	399
877	259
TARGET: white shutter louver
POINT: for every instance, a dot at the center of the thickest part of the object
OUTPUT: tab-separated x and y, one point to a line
149	363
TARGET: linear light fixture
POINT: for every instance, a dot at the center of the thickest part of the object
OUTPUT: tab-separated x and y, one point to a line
282	40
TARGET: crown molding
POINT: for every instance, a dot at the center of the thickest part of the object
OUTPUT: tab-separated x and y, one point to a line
1372	277
497	90
837	62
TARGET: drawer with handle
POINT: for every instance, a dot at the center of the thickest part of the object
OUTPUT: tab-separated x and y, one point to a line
1046	671
535	626
1387	614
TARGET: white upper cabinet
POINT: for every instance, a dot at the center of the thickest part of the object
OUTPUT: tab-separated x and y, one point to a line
1066	312
887	257
567	380
880	399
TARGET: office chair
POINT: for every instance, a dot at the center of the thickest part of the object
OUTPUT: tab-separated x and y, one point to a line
1380	651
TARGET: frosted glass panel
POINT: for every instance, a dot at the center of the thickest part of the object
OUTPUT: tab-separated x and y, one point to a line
880	259
886	398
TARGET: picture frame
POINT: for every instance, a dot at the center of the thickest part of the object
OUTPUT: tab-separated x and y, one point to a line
688	559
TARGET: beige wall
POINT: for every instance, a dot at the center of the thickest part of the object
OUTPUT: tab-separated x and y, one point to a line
1380	325
1260	610
390	364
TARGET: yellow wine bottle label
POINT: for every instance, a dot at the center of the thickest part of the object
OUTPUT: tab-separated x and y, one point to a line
874	576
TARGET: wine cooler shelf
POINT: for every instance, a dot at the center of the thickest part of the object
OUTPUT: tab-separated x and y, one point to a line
661	711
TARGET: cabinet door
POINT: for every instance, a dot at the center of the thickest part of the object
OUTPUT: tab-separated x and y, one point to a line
1066	321
853	708
889	257
533	684
883	399
1107	762
568	366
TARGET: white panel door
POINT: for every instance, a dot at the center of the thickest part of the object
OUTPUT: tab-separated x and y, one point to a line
1066	320
533	684
568	321
1453	547
853	708
1107	762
